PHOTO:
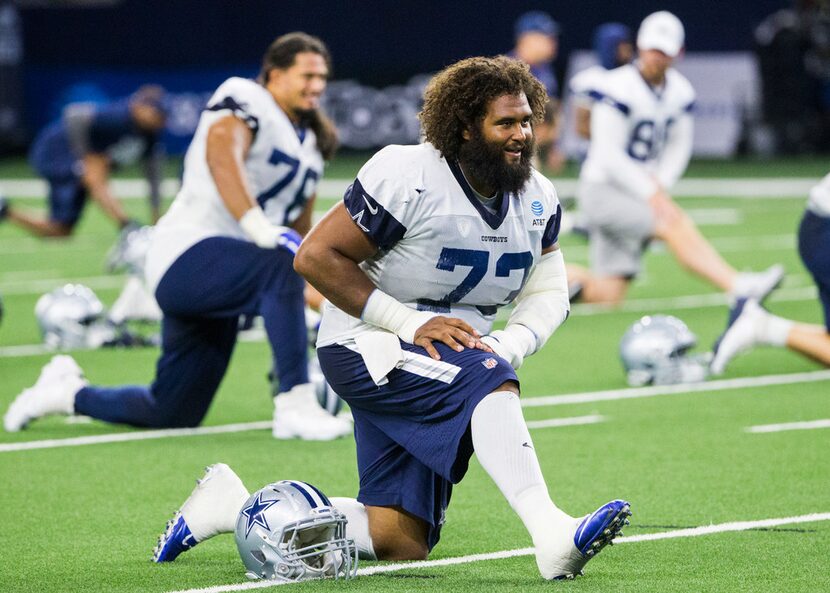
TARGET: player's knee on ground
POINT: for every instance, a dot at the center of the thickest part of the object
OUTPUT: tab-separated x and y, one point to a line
396	534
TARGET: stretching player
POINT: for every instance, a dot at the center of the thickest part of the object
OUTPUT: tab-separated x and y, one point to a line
225	249
751	325
429	242
641	141
613	48
77	154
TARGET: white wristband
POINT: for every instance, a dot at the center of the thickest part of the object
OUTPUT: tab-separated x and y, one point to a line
387	312
259	229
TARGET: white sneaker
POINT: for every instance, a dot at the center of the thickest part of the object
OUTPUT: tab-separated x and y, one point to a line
564	557
135	303
757	285
741	333
297	414
212	508
53	393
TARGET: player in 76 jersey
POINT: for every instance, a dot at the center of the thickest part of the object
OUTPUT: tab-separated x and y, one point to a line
224	250
641	140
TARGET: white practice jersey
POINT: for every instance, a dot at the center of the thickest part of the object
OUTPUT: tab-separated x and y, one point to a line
441	250
585	85
282	169
819	201
640	135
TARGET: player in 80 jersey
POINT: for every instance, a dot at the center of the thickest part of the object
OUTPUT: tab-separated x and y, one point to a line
225	249
641	141
429	242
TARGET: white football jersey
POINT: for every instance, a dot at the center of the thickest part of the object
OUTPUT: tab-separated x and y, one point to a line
586	84
282	168
441	250
819	201
649	135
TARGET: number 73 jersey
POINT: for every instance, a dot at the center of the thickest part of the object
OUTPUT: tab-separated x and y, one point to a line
440	248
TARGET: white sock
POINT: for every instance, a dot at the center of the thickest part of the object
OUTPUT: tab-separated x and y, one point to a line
358	527
505	450
774	330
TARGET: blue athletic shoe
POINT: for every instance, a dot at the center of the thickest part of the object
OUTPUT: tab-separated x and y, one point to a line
600	527
593	533
175	540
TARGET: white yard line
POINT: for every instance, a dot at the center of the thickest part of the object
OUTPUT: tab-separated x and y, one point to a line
809	425
694	301
751	188
527	402
560	422
47	284
145	435
124	437
504	554
659	390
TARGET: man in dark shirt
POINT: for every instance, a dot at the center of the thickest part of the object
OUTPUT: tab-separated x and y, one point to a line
77	154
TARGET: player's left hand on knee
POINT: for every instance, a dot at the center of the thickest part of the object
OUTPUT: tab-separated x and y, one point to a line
455	333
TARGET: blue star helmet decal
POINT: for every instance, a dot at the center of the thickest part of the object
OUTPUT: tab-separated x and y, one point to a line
254	513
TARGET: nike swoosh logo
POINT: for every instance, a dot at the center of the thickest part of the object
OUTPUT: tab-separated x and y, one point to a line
526	445
369	206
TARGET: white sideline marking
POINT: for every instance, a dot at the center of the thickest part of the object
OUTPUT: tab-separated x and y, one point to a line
46	284
751	187
678	533
809	425
558	422
528	402
683	388
134	436
715	216
692	301
145	435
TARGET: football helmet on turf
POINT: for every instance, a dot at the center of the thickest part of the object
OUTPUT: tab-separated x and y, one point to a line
288	531
73	317
130	252
654	351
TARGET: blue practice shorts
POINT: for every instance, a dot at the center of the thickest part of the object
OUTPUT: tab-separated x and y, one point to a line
814	247
413	433
67	197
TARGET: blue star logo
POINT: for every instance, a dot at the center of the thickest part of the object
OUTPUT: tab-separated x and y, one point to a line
254	513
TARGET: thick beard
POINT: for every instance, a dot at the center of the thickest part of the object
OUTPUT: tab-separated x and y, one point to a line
486	162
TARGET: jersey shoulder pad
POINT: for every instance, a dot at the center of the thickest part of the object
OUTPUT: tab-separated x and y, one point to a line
244	98
682	89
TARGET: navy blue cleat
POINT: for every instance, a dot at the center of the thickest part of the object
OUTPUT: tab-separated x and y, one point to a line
175	540
593	533
599	529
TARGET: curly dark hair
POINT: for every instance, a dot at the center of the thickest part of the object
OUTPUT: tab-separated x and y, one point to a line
457	98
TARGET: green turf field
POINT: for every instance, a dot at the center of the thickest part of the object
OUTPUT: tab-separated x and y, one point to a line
85	518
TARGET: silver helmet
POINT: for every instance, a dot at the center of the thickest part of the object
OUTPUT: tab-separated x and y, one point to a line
326	396
130	252
72	317
288	531
655	351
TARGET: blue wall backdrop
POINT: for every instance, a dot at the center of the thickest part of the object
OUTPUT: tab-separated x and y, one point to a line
191	45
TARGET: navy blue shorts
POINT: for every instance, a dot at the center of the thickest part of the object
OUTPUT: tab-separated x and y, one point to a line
67	197
814	247
413	434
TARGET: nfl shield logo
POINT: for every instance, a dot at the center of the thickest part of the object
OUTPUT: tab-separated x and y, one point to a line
489	363
463	227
